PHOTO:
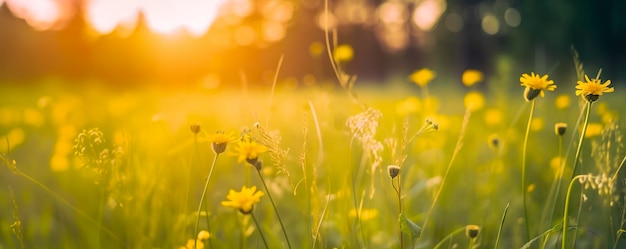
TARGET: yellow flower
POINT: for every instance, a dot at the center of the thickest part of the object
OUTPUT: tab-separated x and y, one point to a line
204	235
423	76
471	77
593	129
536	124
249	151
592	89
191	244
243	200
343	53
560	128
408	106
471	231
365	214
219	140
494	141
493	117
535	85
562	101
474	101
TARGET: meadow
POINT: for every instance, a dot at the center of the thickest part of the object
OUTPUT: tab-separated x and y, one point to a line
430	160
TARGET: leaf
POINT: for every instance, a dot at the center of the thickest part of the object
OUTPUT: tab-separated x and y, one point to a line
409	227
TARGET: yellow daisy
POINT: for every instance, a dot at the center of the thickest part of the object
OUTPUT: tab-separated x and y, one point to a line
243	200
249	151
423	76
535	85
219	140
592	89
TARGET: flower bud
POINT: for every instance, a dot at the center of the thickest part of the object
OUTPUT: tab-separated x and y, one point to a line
560	128
531	93
471	231
195	128
393	171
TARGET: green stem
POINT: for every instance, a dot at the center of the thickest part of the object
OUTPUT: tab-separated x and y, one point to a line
457	148
582	138
565	210
399	192
275	209
449	237
101	214
260	232
206	186
554	193
506	209
524	150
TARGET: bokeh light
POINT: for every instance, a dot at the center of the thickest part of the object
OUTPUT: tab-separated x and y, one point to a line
454	22
40	14
427	13
512	17
490	24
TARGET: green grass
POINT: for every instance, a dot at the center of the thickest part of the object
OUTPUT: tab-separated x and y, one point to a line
141	194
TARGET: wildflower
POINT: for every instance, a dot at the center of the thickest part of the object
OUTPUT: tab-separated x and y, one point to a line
536	124
562	101
474	101
393	171
408	106
243	200
493	117
471	77
494	141
204	235
471	231
364	214
219	141
560	128
422	77
593	129
195	128
194	244
555	163
343	53
590	90
249	151
535	85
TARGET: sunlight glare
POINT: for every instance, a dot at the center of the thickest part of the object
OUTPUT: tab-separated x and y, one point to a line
105	15
40	14
162	16
427	13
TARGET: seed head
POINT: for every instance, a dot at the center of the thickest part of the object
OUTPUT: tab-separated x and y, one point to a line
393	171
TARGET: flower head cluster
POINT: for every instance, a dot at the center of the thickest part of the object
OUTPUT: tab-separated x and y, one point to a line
363	127
422	77
591	89
243	200
535	85
602	183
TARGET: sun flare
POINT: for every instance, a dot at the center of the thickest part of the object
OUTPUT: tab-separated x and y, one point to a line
161	16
